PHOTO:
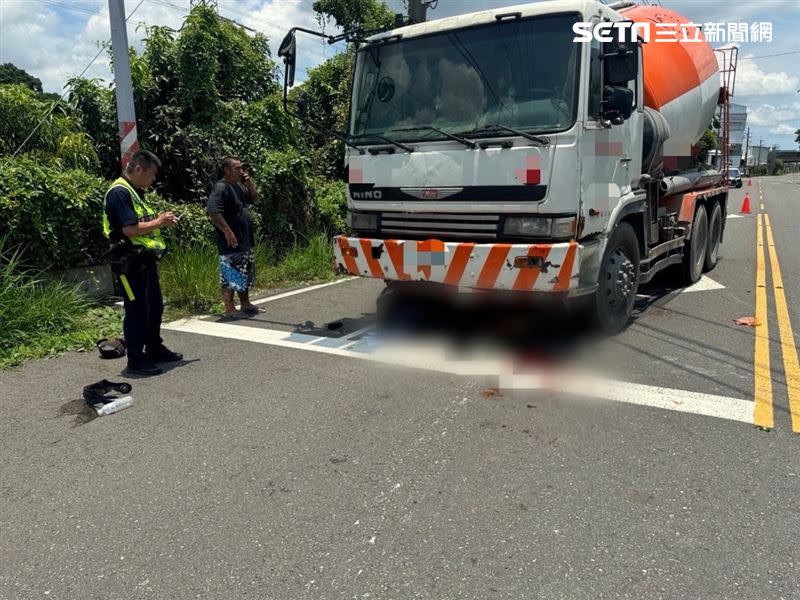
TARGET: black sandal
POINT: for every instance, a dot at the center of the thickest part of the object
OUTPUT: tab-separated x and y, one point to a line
96	392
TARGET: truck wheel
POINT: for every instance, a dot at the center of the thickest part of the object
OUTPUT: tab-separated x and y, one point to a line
694	251
714	236
618	280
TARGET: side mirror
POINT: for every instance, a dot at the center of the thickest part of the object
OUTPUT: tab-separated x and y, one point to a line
302	105
620	62
288	51
617	104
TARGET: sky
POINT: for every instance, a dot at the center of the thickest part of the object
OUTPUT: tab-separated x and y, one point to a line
55	40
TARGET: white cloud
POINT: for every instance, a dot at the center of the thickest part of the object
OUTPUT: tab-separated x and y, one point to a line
751	80
783	129
55	44
768	115
274	18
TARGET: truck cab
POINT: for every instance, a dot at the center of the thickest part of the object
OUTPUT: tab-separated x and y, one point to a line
496	151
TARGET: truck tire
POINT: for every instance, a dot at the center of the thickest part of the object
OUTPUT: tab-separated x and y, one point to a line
618	281
714	236
694	251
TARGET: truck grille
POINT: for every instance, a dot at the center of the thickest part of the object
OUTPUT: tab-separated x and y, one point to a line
422	225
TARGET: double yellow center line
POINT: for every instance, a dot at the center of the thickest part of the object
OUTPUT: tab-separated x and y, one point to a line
763	412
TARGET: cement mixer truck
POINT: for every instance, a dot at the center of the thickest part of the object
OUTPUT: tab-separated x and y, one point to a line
545	149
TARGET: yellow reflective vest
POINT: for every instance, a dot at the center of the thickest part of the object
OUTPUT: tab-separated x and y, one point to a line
151	241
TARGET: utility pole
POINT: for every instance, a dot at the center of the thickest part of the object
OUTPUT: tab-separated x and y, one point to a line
417	11
123	84
760	141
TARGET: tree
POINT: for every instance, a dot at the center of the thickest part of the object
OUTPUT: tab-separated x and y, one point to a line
707	143
354	14
190	89
328	89
328	85
59	138
10	73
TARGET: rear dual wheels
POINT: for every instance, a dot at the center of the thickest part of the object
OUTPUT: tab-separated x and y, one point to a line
701	252
694	253
714	236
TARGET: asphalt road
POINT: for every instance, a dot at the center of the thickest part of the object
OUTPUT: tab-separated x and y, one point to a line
281	461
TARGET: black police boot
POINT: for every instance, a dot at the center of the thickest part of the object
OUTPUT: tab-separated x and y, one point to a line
163	354
143	365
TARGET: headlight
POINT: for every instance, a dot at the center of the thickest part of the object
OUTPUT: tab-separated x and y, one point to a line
362	221
540	227
527	226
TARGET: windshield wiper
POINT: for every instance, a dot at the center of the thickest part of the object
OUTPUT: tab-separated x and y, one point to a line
464	141
385	139
494	127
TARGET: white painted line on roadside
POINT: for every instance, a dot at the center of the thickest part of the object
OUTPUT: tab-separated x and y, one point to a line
710	405
704	284
431	358
425	357
310	288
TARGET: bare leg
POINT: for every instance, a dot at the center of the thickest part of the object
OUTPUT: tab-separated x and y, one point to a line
244	299
227	299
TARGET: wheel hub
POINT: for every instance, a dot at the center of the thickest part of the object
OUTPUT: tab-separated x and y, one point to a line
622	277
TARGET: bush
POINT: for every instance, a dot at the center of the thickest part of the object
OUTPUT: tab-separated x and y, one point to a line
195	228
287	212
54	214
331	201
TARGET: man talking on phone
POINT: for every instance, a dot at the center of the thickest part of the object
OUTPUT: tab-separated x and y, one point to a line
135	232
228	209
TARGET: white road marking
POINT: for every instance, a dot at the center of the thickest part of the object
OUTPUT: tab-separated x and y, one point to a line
735	216
704	284
710	405
434	357
310	288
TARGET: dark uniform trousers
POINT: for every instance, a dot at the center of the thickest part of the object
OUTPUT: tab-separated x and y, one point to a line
142	324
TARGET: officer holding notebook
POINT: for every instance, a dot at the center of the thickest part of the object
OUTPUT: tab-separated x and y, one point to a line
135	232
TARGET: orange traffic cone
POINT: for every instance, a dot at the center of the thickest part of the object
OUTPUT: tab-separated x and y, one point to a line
745	205
749	182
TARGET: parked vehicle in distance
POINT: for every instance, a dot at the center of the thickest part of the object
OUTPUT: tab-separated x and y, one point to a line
734	177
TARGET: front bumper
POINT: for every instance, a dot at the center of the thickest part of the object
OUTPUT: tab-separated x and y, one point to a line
546	268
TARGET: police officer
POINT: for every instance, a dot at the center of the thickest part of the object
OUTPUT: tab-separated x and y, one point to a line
134	229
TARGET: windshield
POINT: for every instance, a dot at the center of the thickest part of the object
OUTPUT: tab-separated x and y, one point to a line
733	172
520	74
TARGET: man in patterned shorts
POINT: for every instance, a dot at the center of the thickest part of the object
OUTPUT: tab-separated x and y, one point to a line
228	208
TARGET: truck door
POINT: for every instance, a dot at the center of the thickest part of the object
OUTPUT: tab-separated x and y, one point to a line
610	154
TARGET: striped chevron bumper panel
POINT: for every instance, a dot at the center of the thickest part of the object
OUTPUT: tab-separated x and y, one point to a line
520	267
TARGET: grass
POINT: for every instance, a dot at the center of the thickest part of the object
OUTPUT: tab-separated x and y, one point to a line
190	279
42	318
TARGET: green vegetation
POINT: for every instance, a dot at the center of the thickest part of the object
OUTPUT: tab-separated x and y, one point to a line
40	317
201	92
190	280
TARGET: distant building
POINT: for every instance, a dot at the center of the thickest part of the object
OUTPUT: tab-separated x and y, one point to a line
757	155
